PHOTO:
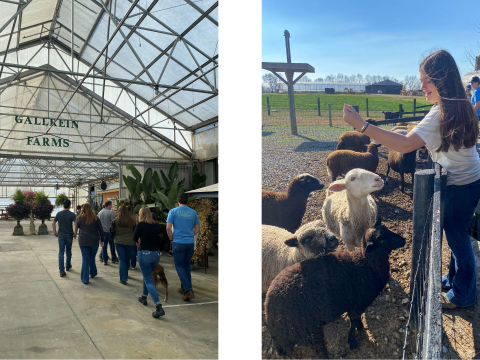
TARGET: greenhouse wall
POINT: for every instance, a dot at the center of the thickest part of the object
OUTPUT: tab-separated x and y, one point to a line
205	144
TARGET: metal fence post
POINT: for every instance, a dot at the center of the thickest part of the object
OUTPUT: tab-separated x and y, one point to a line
422	195
400	110
268	106
356	108
414	106
330	114
318	103
367	108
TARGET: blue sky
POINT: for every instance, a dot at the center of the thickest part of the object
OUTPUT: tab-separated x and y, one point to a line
368	37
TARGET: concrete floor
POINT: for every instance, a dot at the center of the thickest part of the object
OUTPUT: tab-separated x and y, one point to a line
45	316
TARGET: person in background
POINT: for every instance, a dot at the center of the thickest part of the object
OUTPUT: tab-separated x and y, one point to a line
468	91
122	231
182	226
476	95
146	234
65	219
106	216
450	131
91	231
133	257
79	209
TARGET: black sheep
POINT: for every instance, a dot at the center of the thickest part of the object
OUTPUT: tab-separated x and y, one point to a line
306	296
286	210
401	163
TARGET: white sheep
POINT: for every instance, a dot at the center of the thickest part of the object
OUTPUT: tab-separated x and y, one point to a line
281	248
349	210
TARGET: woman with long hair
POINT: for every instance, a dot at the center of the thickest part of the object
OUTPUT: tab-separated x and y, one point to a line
91	231
133	258
450	132
146	234
122	231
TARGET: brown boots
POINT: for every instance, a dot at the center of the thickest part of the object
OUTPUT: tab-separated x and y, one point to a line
188	295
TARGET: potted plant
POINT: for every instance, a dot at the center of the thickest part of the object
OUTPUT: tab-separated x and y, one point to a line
18	210
60	199
30	198
205	209
42	209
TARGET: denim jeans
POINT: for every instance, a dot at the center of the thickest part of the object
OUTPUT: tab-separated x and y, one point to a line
182	254
64	245
108	239
123	252
147	260
460	204
88	262
133	256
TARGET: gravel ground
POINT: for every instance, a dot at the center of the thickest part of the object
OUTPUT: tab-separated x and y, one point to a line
385	319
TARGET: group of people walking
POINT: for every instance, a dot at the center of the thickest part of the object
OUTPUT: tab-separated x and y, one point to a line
130	237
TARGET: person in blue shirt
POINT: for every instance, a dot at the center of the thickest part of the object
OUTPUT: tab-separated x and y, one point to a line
182	226
476	95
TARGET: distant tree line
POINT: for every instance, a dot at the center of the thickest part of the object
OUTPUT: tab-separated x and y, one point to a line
269	81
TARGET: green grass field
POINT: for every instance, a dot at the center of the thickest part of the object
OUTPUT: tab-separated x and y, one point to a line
309	102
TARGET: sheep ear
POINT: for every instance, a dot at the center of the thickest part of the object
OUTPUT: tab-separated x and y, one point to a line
337	187
370	247
292	242
379	222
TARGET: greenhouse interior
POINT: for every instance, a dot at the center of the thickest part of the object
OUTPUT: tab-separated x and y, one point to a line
107	100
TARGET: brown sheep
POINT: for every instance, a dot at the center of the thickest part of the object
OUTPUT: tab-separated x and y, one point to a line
286	210
353	140
341	162
401	163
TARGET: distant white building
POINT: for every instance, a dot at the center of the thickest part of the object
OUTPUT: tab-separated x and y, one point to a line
320	87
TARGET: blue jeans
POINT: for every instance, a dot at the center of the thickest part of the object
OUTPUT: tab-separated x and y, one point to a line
64	245
460	204
133	256
182	254
124	252
108	239
88	262
147	260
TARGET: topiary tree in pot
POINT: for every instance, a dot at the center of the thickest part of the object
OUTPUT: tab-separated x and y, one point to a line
42	209
30	198
18	210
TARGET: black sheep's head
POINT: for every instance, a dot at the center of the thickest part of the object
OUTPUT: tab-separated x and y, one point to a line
379	238
308	183
313	239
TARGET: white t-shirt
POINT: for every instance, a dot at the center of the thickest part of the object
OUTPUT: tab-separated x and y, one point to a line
463	166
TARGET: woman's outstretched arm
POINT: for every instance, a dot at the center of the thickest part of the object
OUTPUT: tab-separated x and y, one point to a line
392	140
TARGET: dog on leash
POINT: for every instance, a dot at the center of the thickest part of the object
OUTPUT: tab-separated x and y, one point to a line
158	275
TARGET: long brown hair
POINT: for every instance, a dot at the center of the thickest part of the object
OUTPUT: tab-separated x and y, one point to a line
87	214
146	215
458	121
125	218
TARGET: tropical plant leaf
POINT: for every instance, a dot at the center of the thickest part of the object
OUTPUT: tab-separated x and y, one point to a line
137	208
147	178
166	181
165	200
173	172
181	183
130	183
156	181
172	194
147	189
135	172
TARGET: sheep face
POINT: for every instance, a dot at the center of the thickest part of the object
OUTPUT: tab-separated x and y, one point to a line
308	183
379	238
358	182
318	241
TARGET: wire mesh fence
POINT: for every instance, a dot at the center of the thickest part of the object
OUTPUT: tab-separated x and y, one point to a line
424	325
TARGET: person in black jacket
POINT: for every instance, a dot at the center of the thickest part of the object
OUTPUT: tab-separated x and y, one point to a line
91	231
146	235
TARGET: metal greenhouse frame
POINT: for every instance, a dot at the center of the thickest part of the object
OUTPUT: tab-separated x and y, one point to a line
87	86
